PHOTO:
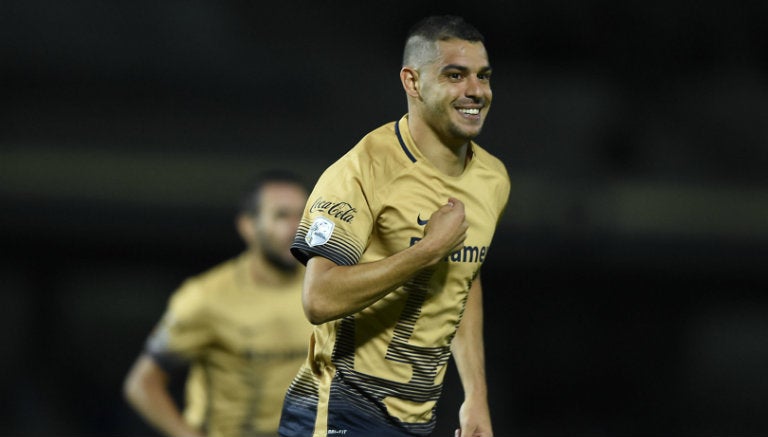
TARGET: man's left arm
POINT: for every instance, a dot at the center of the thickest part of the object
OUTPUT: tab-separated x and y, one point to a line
469	354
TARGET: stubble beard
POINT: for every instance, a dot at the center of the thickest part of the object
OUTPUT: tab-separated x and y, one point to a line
459	133
278	261
454	128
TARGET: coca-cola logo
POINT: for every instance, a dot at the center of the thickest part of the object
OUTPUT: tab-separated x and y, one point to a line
340	210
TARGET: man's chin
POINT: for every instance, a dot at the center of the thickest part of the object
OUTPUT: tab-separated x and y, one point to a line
467	132
284	263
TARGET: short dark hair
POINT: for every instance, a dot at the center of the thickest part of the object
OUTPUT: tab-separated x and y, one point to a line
250	201
442	27
426	32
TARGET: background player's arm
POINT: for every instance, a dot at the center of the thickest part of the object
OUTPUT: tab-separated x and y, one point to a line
332	291
146	389
469	355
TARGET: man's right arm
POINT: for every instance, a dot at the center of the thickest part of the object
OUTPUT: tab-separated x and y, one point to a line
332	291
146	390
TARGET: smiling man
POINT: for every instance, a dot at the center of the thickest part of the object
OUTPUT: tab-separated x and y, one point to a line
393	236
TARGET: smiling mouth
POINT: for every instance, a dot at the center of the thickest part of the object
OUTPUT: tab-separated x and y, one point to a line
470	111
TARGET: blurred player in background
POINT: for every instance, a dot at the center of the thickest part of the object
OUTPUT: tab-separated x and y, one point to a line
239	327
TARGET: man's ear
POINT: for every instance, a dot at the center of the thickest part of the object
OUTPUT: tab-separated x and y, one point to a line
410	79
245	227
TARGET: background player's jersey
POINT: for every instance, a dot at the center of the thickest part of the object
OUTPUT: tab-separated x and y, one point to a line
244	344
386	363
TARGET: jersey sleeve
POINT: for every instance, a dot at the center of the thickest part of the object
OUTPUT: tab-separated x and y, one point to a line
503	193
338	218
184	330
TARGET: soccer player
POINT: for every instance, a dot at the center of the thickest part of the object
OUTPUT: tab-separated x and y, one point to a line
238	326
393	237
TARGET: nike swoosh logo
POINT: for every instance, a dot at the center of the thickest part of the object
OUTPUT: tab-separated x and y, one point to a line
420	221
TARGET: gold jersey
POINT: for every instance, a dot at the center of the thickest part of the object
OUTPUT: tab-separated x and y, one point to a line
243	342
380	371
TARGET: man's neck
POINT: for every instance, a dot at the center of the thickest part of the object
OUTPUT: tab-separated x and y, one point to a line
263	272
450	159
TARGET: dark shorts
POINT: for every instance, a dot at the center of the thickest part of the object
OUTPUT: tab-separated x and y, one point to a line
347	417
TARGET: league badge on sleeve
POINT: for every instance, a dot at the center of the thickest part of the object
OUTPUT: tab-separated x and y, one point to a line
320	232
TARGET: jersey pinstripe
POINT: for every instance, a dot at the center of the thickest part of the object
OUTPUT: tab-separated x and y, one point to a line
380	371
244	345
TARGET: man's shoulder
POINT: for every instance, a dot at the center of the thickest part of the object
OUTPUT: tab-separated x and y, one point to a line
377	150
374	139
493	173
490	161
208	281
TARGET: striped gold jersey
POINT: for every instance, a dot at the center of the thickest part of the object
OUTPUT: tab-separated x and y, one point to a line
380	371
244	344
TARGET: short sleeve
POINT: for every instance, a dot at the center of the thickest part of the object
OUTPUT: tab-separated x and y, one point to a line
183	331
338	218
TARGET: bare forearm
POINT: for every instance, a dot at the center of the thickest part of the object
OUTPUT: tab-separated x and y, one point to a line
469	355
470	363
332	291
468	348
159	410
146	391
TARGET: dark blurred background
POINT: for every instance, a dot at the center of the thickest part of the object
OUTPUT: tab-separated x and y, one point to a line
626	287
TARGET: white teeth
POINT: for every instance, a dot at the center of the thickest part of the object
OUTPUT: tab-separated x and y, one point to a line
473	111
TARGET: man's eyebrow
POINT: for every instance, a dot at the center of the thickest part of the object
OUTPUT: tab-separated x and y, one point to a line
454	67
464	68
